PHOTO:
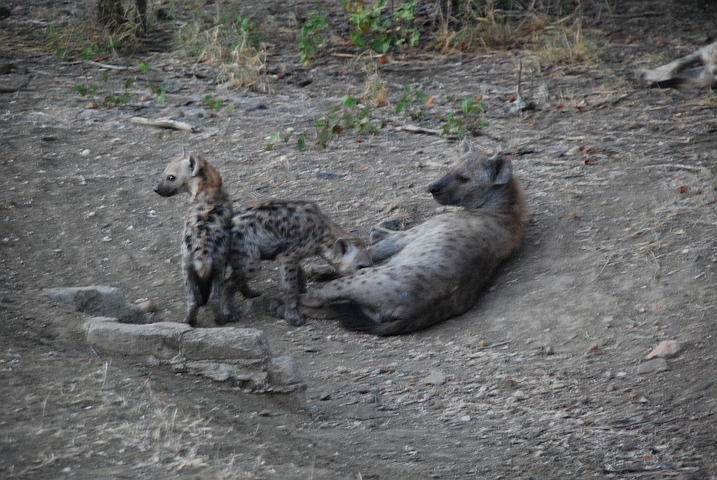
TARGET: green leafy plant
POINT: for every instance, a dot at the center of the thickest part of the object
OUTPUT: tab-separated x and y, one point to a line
84	90
350	115
213	103
380	27
159	91
114	100
274	138
464	121
143	67
411	102
310	41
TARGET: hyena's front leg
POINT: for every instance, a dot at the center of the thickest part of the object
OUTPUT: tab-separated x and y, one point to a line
289	272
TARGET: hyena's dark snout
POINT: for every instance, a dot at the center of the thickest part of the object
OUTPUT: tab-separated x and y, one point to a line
162	190
436	188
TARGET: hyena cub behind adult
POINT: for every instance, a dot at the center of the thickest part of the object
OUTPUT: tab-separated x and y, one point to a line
288	231
205	241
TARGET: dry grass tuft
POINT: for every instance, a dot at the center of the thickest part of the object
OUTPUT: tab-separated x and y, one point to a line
553	42
228	45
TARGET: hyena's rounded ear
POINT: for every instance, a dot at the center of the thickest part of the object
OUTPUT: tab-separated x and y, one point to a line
503	168
341	246
195	165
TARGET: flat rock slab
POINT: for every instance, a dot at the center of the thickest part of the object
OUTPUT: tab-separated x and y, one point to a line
159	340
224	343
99	300
665	349
653	366
229	353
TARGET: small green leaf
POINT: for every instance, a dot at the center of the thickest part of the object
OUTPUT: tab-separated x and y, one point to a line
301	142
143	67
273	138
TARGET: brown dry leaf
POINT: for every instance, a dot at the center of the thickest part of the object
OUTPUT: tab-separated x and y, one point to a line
683	189
429	102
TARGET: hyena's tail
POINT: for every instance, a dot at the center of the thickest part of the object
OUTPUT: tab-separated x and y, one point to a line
353	317
203	267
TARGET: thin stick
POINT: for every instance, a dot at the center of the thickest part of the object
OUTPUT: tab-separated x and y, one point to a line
21	86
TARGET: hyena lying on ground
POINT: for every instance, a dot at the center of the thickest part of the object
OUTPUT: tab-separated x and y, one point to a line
205	241
288	231
677	74
435	270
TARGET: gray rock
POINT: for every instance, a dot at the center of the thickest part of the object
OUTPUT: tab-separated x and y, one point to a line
224	344
283	371
653	366
434	378
160	340
99	300
665	349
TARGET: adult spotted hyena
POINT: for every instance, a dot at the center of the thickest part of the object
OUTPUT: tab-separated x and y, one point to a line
288	231
205	241
437	269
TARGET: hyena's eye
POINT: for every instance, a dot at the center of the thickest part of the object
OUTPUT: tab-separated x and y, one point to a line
463	179
171	178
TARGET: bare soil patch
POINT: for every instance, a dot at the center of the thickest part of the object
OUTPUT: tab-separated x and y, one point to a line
542	379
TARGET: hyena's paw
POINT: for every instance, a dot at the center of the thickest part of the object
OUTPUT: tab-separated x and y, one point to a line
276	309
232	317
377	234
294	318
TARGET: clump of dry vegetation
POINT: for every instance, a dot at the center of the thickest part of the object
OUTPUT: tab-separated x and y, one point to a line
226	42
552	39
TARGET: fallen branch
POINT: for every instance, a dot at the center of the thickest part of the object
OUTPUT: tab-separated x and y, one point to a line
21	86
427	131
676	166
106	65
164	123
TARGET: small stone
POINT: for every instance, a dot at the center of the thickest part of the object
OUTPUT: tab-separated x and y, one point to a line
548	350
265	413
157	283
85	152
665	349
610	388
653	366
508	383
147	306
324	396
466	418
434	378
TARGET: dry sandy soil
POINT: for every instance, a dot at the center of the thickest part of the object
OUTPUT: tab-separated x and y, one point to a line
544	378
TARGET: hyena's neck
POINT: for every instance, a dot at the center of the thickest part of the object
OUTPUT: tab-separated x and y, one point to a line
208	184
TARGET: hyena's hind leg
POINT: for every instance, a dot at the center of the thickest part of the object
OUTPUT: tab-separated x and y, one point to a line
216	299
290	288
194	297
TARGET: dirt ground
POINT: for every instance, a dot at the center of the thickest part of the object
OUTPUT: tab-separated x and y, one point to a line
544	378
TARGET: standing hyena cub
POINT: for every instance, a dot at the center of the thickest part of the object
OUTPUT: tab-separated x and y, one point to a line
288	231
205	242
437	269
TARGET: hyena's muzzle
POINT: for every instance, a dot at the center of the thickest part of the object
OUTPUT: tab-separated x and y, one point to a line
165	189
